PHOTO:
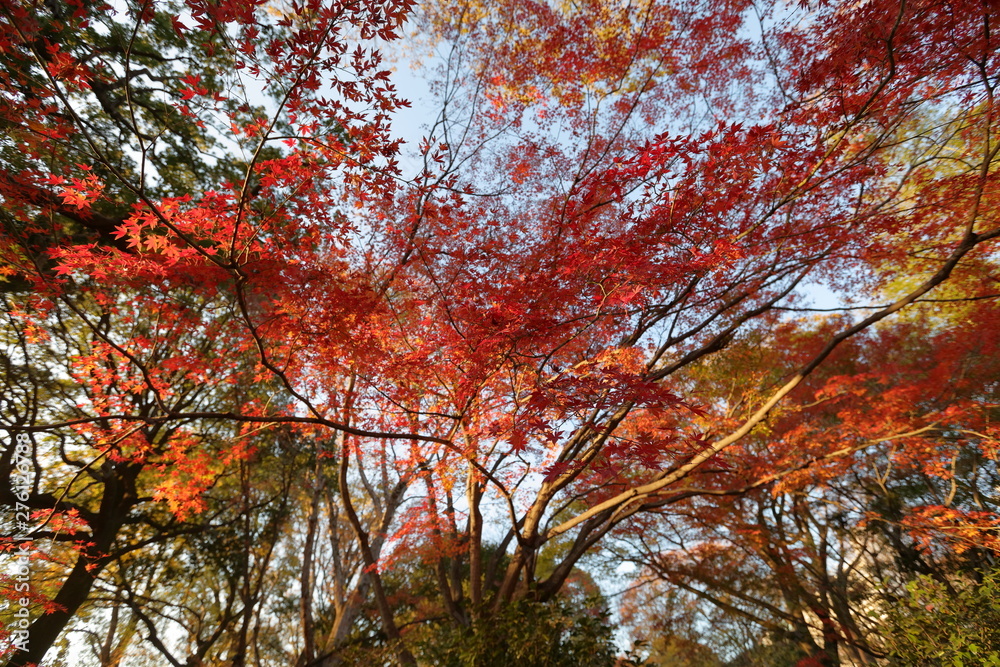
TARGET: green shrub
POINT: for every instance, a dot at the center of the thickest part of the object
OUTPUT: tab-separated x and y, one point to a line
956	625
527	634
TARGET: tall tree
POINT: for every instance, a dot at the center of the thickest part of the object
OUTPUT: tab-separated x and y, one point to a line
610	196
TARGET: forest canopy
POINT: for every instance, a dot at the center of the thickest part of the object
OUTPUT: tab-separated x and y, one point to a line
553	384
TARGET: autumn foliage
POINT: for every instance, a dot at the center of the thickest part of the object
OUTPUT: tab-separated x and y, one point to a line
248	328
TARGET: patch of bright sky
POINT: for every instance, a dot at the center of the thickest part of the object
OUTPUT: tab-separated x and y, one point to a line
412	123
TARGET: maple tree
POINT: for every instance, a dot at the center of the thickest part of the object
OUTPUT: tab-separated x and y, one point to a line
885	475
208	241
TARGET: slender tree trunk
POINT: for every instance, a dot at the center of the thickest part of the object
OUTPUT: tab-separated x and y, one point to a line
371	563
308	653
475	494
